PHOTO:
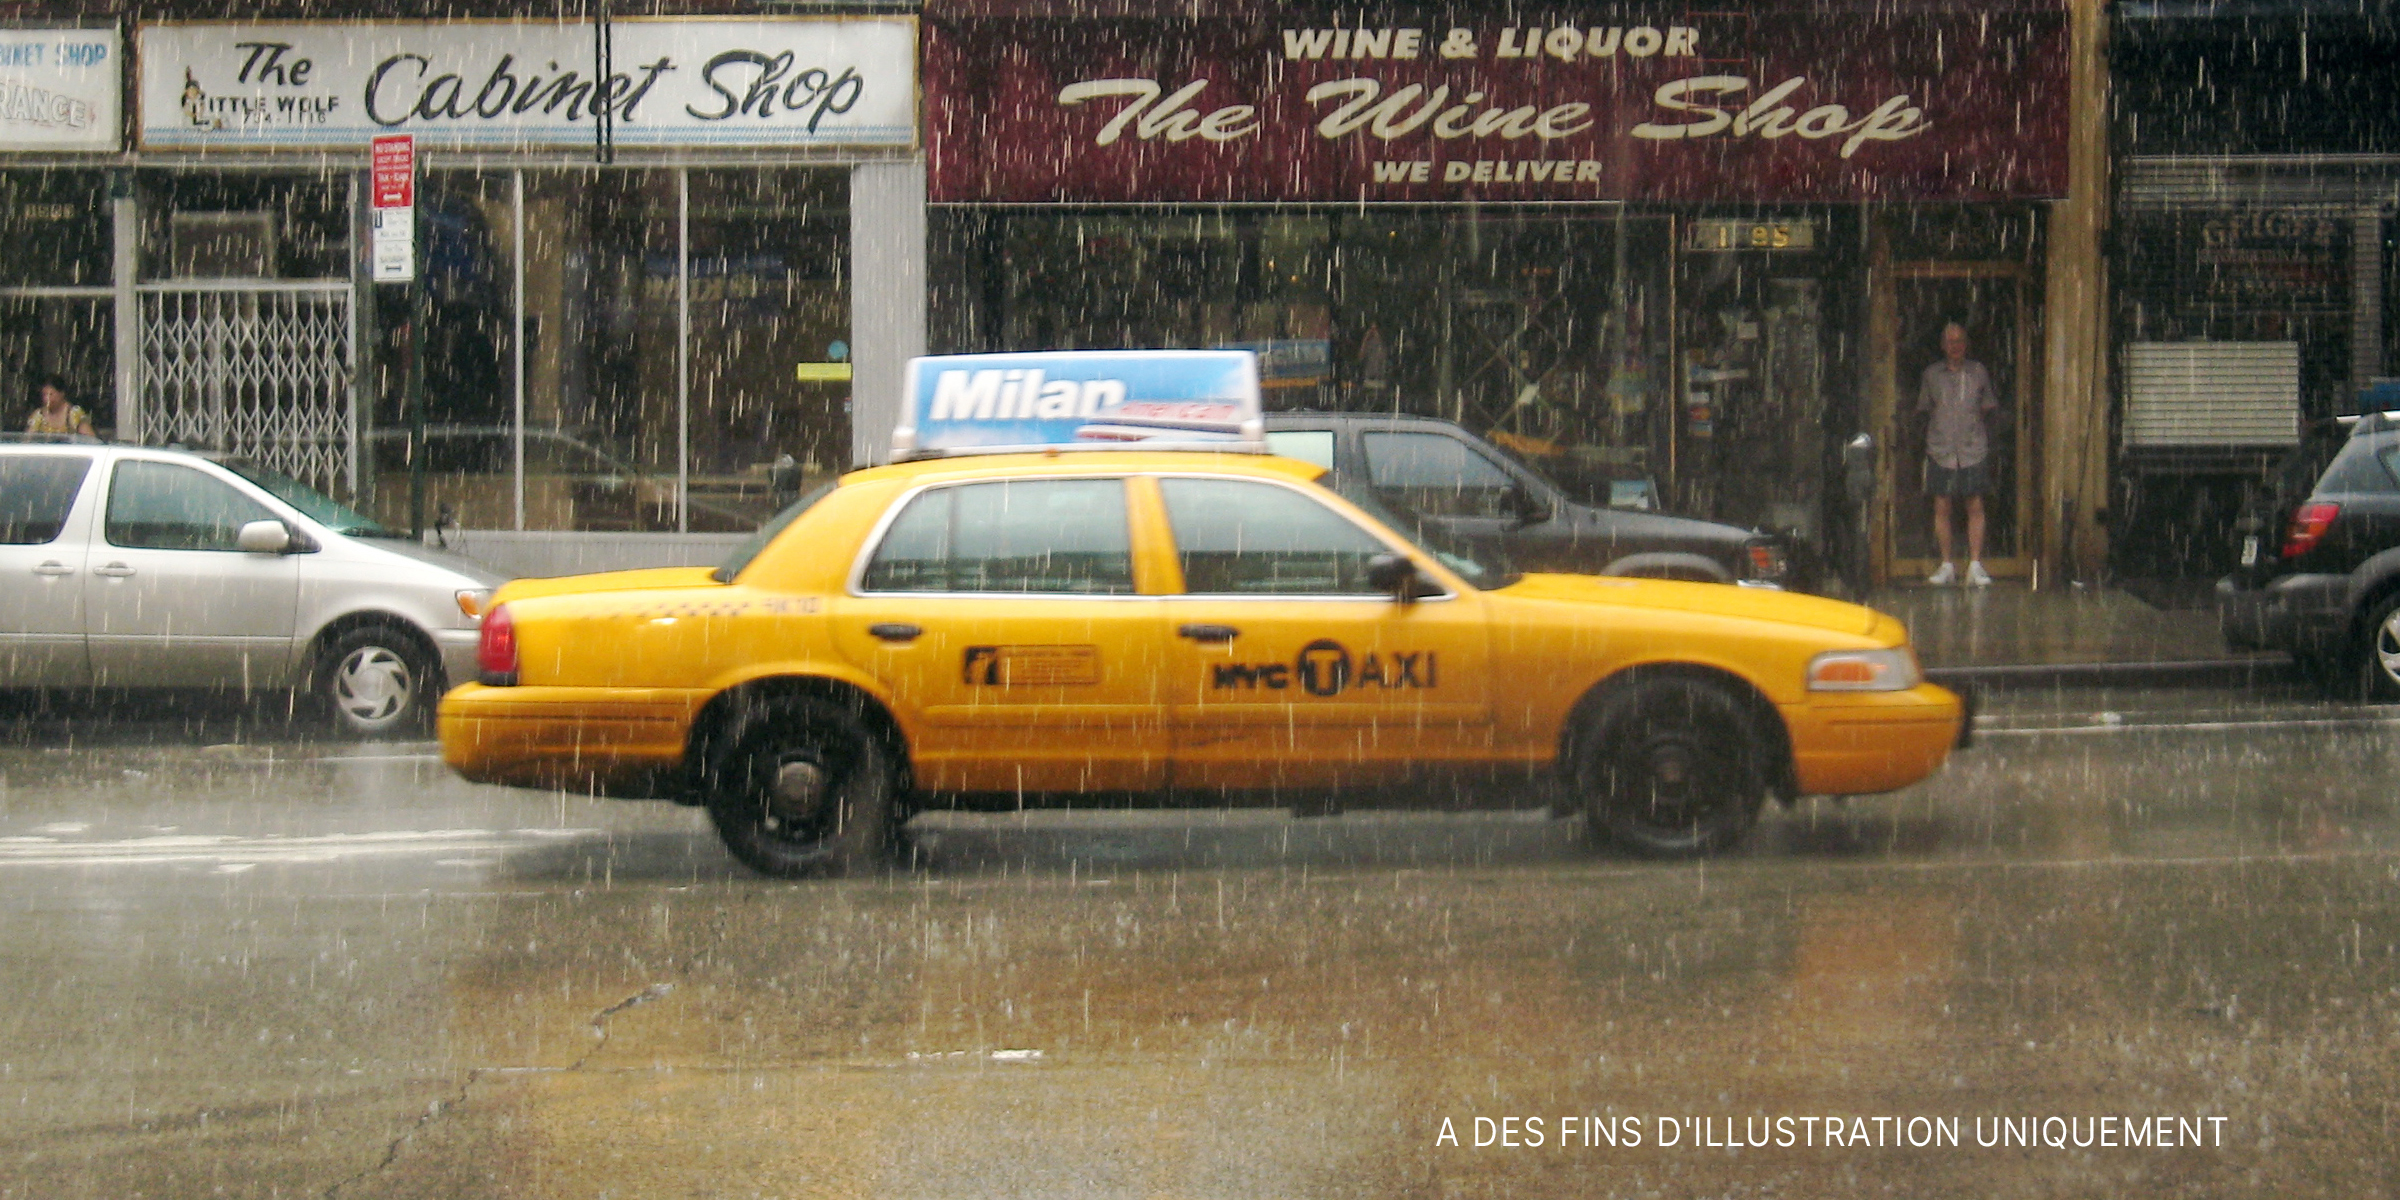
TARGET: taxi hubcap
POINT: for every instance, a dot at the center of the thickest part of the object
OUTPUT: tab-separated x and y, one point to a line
372	685
797	793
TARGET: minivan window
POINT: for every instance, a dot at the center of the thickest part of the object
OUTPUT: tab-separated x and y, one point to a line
166	506
315	505
1308	445
2358	468
1438	476
37	491
1067	536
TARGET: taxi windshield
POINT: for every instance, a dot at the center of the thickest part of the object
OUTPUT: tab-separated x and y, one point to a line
1482	565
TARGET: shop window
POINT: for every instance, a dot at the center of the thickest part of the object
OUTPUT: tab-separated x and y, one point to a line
56	313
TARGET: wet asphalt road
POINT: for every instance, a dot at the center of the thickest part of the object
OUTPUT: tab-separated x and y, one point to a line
280	967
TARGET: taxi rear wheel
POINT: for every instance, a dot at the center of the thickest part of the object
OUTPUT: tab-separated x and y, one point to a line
808	789
1671	768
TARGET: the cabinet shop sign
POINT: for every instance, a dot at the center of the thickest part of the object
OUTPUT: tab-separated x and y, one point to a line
695	82
1845	103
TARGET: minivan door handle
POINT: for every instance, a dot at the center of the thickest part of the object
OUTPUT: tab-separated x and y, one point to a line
53	567
114	570
896	631
1208	633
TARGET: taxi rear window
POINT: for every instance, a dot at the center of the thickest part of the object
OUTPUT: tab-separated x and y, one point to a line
742	554
1044	536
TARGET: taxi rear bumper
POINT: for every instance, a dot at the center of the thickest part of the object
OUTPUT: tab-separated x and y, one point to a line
614	741
1853	743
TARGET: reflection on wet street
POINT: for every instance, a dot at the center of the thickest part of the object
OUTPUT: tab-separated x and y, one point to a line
284	968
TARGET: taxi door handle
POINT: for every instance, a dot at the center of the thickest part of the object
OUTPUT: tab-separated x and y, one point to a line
896	631
1209	633
114	570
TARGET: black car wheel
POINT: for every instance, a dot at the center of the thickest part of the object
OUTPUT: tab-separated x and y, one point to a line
1670	768
377	682
2379	652
808	789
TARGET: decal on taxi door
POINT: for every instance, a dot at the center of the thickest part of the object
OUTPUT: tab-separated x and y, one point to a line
1031	666
1326	668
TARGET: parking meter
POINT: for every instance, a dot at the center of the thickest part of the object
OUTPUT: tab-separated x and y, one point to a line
784	479
1858	483
1858	468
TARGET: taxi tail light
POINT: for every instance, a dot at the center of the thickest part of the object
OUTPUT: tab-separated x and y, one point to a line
496	650
1892	670
2310	523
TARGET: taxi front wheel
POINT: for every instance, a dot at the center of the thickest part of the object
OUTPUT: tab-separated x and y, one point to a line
807	789
1670	767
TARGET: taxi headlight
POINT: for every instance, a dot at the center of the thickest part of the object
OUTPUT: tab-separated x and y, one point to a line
1892	670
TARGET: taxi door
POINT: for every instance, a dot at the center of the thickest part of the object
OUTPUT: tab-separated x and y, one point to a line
1287	669
1004	617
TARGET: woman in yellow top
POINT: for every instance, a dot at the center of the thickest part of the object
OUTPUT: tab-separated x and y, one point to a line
52	413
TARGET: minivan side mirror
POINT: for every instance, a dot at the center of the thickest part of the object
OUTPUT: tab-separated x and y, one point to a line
264	537
1396	574
1529	508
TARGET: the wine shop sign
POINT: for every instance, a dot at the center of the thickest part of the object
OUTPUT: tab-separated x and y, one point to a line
503	84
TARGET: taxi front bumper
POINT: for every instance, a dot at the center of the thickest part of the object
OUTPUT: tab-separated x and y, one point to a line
613	741
1853	743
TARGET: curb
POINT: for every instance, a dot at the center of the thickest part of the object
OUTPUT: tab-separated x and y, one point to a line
2203	672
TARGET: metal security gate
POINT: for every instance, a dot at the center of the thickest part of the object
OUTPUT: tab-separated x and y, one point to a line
258	370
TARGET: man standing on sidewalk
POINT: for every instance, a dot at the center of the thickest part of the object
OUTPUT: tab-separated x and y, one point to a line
1957	391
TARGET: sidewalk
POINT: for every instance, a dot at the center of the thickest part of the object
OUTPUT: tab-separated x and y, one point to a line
2006	634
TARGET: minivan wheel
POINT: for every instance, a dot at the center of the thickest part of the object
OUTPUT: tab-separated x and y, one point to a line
2379	653
807	789
1670	768
377	682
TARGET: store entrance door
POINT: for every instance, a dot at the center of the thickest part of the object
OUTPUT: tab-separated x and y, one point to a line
1912	303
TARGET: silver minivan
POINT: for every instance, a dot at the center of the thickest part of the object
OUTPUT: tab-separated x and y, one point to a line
133	567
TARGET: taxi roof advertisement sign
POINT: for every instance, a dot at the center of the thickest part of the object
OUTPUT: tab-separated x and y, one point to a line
1081	400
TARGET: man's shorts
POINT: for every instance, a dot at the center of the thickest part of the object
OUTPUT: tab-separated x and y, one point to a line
1969	480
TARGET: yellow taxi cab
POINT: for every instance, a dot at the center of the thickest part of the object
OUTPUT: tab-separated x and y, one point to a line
1170	626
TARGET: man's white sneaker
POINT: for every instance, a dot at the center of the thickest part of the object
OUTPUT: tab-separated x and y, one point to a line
1977	576
1947	575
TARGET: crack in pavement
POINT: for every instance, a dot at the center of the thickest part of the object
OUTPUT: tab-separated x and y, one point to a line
440	1107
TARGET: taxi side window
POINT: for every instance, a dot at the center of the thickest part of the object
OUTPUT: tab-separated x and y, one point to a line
1438	476
1236	537
164	506
1055	536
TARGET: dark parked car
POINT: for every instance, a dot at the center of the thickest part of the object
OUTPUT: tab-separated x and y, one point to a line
2327	589
1448	478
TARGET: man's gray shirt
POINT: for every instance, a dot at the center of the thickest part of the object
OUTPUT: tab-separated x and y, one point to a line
1957	399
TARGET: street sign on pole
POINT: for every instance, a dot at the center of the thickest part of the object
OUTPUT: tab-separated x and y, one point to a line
392	189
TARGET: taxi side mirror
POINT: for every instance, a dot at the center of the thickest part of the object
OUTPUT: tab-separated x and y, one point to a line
1396	574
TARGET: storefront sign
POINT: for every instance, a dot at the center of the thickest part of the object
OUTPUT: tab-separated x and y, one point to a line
1026	103
392	192
59	89
1080	399
1712	234
681	82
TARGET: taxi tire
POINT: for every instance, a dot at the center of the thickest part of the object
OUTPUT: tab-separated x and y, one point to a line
864	793
1691	739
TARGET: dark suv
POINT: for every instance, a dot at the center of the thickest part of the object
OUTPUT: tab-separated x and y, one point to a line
2328	590
1439	473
